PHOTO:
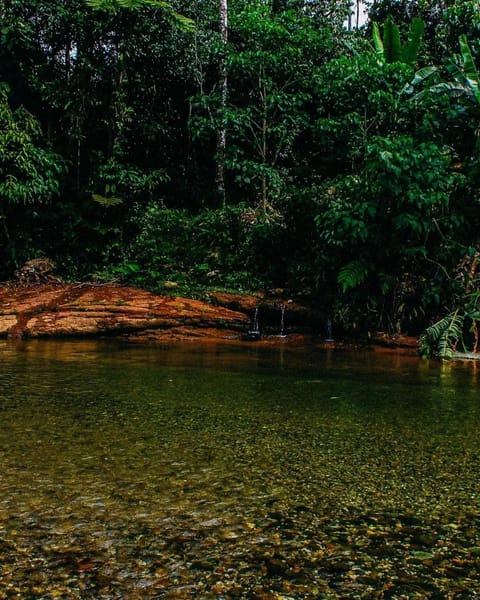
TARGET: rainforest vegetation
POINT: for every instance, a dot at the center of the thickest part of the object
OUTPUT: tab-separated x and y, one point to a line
249	145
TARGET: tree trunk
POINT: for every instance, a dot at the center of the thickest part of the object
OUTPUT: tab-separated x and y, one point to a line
222	131
263	140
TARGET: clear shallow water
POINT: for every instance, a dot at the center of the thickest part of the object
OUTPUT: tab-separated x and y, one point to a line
236	473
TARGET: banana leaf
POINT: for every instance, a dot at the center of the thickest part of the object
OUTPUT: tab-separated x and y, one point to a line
391	42
377	41
420	76
410	48
469	68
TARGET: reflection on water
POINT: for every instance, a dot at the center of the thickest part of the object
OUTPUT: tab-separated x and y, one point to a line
235	473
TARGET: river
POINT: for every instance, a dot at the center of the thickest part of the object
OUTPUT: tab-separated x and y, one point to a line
220	472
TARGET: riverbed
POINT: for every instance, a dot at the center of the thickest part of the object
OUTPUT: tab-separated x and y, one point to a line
182	471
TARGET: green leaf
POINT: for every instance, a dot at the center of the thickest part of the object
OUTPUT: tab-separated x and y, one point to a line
453	89
442	336
469	67
106	201
112	5
377	41
422	555
352	274
409	51
390	49
391	42
420	76
423	74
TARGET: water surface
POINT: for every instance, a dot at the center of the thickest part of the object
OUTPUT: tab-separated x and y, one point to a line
215	472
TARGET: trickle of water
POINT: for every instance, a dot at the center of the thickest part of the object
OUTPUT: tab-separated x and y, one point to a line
329	331
255	328
254	331
282	321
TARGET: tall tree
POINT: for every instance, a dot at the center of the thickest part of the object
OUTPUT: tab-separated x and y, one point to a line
30	174
271	58
222	131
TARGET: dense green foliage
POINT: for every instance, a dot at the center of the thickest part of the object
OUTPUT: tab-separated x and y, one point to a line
351	162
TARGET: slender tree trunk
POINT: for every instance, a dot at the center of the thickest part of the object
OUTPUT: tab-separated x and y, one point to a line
222	131
264	160
78	157
263	146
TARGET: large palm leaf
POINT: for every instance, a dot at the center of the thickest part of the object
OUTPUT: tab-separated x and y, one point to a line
465	78
469	69
410	49
390	48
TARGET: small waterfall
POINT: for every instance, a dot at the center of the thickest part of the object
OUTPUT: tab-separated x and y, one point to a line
255	328
253	333
282	320
329	331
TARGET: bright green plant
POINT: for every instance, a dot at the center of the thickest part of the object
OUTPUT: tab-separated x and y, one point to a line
112	5
270	60
442	338
128	181
390	49
459	331
456	333
30	174
466	78
388	223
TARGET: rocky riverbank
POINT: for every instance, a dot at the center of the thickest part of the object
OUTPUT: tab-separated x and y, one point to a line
61	310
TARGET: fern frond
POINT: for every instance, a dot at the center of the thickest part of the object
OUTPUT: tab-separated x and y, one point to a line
352	274
441	337
452	334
